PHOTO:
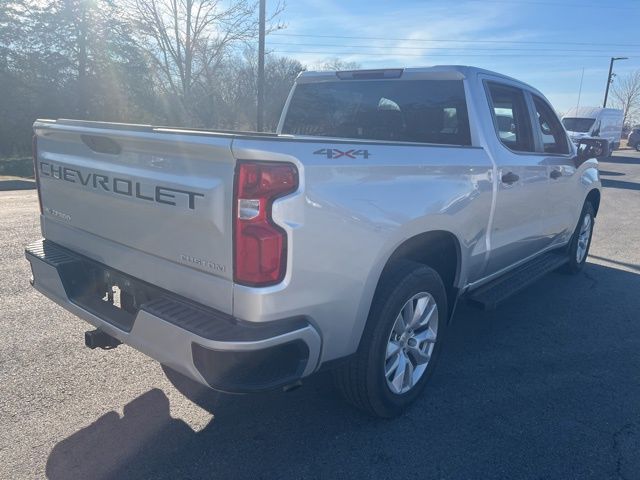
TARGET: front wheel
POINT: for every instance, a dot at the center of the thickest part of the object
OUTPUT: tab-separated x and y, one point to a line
581	240
401	342
638	147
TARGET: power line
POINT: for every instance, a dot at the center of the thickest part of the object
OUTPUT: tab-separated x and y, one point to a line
608	51
443	54
555	4
433	40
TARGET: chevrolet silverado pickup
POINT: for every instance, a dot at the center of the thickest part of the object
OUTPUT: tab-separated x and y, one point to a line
245	261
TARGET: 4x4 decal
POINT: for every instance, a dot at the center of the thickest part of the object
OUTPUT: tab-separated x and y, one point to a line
335	153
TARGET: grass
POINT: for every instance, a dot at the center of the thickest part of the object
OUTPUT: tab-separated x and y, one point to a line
16	167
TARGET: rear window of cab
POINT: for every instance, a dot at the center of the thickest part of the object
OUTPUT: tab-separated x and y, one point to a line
423	111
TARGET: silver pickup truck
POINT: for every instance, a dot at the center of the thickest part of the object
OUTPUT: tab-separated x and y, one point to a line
245	262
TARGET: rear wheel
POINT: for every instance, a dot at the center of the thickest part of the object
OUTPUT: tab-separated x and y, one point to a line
581	240
401	342
638	147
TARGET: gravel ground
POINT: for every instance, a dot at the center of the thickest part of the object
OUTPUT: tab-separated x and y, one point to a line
547	386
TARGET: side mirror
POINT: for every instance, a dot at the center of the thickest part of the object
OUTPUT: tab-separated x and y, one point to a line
592	148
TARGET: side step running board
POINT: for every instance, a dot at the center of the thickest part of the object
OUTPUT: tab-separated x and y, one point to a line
490	295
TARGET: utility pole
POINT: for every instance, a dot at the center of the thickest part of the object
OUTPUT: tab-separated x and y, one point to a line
606	92
261	35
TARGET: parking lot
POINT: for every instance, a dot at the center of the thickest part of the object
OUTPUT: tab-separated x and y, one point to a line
547	386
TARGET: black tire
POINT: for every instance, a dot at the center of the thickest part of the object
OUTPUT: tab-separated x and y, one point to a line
574	266
637	147
362	380
203	396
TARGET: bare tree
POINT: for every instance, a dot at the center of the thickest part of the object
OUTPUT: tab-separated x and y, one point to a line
626	93
335	63
186	40
228	99
91	59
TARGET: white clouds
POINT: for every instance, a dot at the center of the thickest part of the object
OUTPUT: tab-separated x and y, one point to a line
392	20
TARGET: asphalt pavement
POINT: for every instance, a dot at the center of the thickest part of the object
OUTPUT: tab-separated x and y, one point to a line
547	386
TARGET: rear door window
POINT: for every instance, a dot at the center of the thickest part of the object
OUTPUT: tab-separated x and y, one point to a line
554	140
511	117
424	111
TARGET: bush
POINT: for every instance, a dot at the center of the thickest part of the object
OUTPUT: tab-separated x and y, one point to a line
16	167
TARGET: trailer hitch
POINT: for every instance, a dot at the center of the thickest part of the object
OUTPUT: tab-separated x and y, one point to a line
100	339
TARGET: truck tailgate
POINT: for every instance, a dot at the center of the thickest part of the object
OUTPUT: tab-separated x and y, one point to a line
151	202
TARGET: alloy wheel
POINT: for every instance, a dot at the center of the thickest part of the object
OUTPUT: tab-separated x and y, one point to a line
411	343
583	238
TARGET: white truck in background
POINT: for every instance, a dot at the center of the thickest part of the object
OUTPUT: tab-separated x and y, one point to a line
583	122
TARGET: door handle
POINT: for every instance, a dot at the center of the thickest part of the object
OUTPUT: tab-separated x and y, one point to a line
555	174
510	178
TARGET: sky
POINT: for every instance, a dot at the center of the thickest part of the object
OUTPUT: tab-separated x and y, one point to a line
544	43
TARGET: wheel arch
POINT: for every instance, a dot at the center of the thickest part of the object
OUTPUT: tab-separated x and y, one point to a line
438	249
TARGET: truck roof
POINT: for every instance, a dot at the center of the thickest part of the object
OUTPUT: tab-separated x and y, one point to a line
590	112
436	72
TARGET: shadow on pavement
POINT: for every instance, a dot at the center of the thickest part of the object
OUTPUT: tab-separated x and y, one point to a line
608	173
620	159
111	443
544	387
620	184
632	266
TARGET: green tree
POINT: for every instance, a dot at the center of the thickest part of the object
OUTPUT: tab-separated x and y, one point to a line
95	56
68	58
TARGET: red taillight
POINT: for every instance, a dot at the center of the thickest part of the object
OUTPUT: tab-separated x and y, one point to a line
260	244
34	153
